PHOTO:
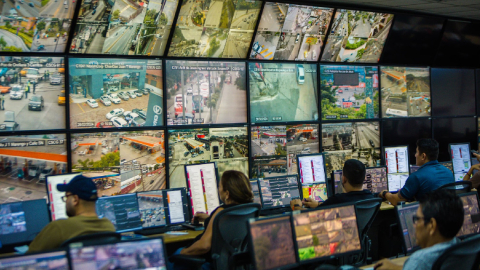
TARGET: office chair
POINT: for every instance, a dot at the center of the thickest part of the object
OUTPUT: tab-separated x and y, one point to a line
367	210
94	239
229	242
464	255
459	187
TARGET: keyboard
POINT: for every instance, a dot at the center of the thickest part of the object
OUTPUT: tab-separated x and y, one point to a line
160	230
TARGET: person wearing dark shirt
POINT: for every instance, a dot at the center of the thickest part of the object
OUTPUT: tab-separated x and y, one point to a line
475	179
430	176
353	177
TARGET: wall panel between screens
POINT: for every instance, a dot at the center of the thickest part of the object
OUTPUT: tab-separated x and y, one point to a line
454	130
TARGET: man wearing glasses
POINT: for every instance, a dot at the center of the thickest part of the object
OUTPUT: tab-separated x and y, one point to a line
80	197
438	219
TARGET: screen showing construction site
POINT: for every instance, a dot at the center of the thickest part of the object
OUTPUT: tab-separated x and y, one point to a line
106	93
349	92
405	92
123	27
357	36
291	32
215	29
121	162
281	92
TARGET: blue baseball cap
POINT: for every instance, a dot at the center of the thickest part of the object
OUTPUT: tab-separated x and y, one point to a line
81	186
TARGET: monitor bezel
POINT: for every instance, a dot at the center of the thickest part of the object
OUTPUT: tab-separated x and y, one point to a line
274	177
397	212
255	181
450	153
478	202
185	204
322	154
408	164
188	189
49	200
119	196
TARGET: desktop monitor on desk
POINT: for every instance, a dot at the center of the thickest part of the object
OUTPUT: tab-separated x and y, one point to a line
447	164
460	155
256	191
121	210
46	260
277	192
471	219
313	178
202	184
375	180
57	206
396	159
405	215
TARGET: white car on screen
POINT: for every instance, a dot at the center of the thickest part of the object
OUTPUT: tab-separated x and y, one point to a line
92	103
131	93
114	98
115	113
119	122
105	101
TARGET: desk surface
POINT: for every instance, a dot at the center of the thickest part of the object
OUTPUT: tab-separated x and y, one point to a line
399	261
171	238
386	206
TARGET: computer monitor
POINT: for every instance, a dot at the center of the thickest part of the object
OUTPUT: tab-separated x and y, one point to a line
414	168
121	210
460	155
311	168
405	215
47	260
57	206
321	234
134	254
271	243
471	219
176	206
396	159
21	221
277	192
202	187
449	165
256	191
375	180
316	191
337	181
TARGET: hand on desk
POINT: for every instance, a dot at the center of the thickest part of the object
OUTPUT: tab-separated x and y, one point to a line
386	264
201	216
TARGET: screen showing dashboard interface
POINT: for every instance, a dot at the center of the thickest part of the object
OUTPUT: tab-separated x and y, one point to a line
405	214
460	154
311	169
122	210
203	187
396	159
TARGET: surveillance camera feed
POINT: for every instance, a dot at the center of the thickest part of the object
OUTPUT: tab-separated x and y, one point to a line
343	141
291	32
327	232
201	92
405	215
357	36
272	243
32	93
12	218
121	162
375	180
152	211
106	93
278	191
52	260
471	220
405	92
123	27
275	148
227	147
215	29
349	92
25	163
281	92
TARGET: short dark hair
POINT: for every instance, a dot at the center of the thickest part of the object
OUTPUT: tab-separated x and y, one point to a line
238	186
354	171
446	208
429	147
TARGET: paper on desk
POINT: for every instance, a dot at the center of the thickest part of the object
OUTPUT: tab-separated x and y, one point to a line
21	249
176	233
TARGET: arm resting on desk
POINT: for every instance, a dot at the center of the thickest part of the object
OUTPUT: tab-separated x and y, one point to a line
204	244
394	199
386	264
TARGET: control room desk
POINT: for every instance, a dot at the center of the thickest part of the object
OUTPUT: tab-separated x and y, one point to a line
399	261
174	242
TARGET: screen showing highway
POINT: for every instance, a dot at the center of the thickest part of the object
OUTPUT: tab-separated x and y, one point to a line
349	92
291	32
215	28
405	91
281	92
123	27
200	92
357	36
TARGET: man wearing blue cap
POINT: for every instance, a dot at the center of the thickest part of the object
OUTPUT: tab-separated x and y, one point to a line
80	197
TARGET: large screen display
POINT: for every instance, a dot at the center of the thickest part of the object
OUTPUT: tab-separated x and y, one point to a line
281	92
349	92
201	92
291	32
121	162
112	92
405	92
32	93
227	147
123	27
215	29
275	148
357	36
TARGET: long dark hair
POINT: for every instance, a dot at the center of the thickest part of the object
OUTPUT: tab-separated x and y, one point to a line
238	186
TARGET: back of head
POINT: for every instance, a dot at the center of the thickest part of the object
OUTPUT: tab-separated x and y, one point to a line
429	147
238	186
83	187
446	208
354	171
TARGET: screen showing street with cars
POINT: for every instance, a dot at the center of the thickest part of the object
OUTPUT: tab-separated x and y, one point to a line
405	91
32	93
291	32
123	27
215	28
200	92
281	92
349	92
112	92
357	36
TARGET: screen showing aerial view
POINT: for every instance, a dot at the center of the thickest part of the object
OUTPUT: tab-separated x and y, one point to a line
215	28
471	219
278	191
227	147
405	91
357	36
121	162
152	211
12	218
283	92
107	93
349	92
291	32
123	27
200	92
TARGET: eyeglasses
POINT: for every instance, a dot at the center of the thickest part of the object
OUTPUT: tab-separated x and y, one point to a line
416	218
64	198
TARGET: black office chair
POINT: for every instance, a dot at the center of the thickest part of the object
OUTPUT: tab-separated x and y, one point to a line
459	187
94	239
464	255
367	210
229	242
